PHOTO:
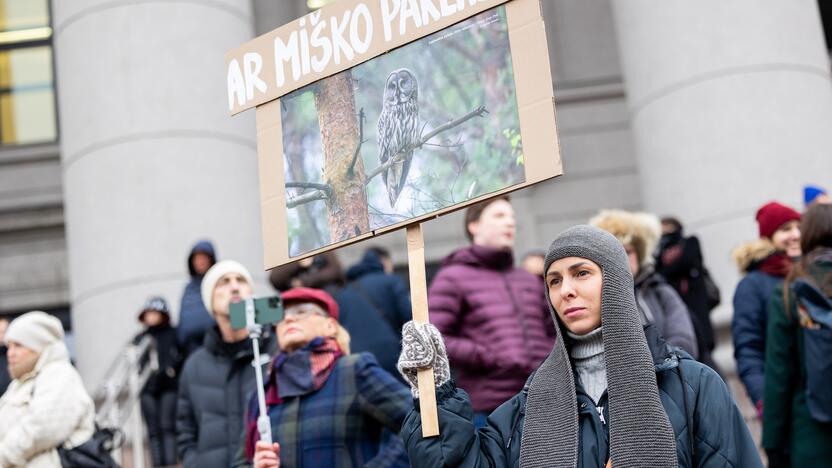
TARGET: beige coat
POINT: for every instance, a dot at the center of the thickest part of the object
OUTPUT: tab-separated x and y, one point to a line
42	410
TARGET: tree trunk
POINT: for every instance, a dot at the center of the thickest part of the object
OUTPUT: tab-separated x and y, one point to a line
335	102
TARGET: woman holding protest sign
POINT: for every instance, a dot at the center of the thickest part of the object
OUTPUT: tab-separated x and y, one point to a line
797	420
326	406
605	393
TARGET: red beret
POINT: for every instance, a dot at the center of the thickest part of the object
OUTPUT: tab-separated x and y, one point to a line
317	296
772	215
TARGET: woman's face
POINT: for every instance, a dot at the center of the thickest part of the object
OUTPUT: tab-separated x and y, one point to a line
787	238
575	291
632	255
303	322
21	359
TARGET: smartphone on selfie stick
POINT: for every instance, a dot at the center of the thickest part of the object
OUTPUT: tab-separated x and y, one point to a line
252	314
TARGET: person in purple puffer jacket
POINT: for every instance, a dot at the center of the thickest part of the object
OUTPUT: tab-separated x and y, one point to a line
493	316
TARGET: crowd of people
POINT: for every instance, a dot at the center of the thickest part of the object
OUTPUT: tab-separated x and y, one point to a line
594	352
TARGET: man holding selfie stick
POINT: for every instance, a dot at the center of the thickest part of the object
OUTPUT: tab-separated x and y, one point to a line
218	377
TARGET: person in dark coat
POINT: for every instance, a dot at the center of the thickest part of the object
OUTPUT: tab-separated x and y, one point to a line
792	435
5	378
493	315
321	272
217	378
609	394
659	304
679	261
765	263
327	407
374	305
158	399
194	319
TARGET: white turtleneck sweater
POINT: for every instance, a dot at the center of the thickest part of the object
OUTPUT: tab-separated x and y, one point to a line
587	355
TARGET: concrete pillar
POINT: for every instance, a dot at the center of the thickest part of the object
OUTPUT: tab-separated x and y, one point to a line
270	14
151	160
731	106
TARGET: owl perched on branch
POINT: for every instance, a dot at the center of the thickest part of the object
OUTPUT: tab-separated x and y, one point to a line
398	129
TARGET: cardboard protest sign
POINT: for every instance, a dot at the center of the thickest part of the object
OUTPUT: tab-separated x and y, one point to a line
391	112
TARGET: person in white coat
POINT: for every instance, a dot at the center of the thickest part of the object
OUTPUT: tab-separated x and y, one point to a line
46	406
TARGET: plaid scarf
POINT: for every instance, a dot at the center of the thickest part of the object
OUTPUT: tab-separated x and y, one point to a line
291	375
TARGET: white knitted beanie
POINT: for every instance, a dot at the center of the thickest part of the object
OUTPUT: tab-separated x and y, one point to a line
35	330
214	274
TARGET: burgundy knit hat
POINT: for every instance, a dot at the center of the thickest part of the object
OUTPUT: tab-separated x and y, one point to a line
772	215
318	296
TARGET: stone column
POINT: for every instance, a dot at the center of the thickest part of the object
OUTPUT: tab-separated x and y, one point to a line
731	106
151	159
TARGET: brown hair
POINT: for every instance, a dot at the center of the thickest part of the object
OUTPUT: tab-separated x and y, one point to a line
474	212
815	233
677	225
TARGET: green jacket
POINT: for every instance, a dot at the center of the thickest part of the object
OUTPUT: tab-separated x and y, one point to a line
787	424
692	394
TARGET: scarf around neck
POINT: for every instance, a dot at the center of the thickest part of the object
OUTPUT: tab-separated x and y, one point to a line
777	264
293	374
640	433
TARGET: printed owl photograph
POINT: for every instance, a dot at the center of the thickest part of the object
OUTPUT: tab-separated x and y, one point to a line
419	129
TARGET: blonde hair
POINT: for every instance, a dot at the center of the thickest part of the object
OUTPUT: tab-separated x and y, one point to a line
342	337
640	230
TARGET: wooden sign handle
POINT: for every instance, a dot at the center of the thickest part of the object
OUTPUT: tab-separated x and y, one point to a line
419	301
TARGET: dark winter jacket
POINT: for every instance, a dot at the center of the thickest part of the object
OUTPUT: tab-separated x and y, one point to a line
692	394
748	326
495	321
787	423
170	359
194	319
214	387
665	310
341	424
374	306
324	273
5	378
680	263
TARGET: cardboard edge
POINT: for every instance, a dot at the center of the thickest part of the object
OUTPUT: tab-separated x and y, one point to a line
272	196
532	74
341	6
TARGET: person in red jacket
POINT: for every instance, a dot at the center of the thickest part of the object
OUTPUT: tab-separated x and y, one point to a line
493	316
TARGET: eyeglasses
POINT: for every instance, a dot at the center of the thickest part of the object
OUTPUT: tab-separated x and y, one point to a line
302	311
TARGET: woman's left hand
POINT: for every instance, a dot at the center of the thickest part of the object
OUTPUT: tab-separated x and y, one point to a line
266	456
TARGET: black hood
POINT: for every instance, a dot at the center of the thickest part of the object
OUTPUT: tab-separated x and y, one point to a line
370	263
205	247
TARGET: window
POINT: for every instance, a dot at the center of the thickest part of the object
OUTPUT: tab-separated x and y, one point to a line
27	85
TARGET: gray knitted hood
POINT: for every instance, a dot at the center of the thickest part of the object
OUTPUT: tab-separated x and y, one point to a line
640	432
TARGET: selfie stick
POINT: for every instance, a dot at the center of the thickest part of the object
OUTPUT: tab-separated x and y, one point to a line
264	426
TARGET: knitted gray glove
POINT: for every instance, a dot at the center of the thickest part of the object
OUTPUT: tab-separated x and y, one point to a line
423	348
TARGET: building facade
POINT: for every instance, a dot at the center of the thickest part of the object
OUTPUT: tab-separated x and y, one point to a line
117	153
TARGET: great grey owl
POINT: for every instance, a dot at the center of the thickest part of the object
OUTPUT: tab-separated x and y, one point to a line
398	129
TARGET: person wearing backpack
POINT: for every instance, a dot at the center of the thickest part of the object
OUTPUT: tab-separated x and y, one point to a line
658	303
797	416
679	260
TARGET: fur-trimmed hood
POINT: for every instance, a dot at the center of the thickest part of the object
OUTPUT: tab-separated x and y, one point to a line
749	254
641	230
